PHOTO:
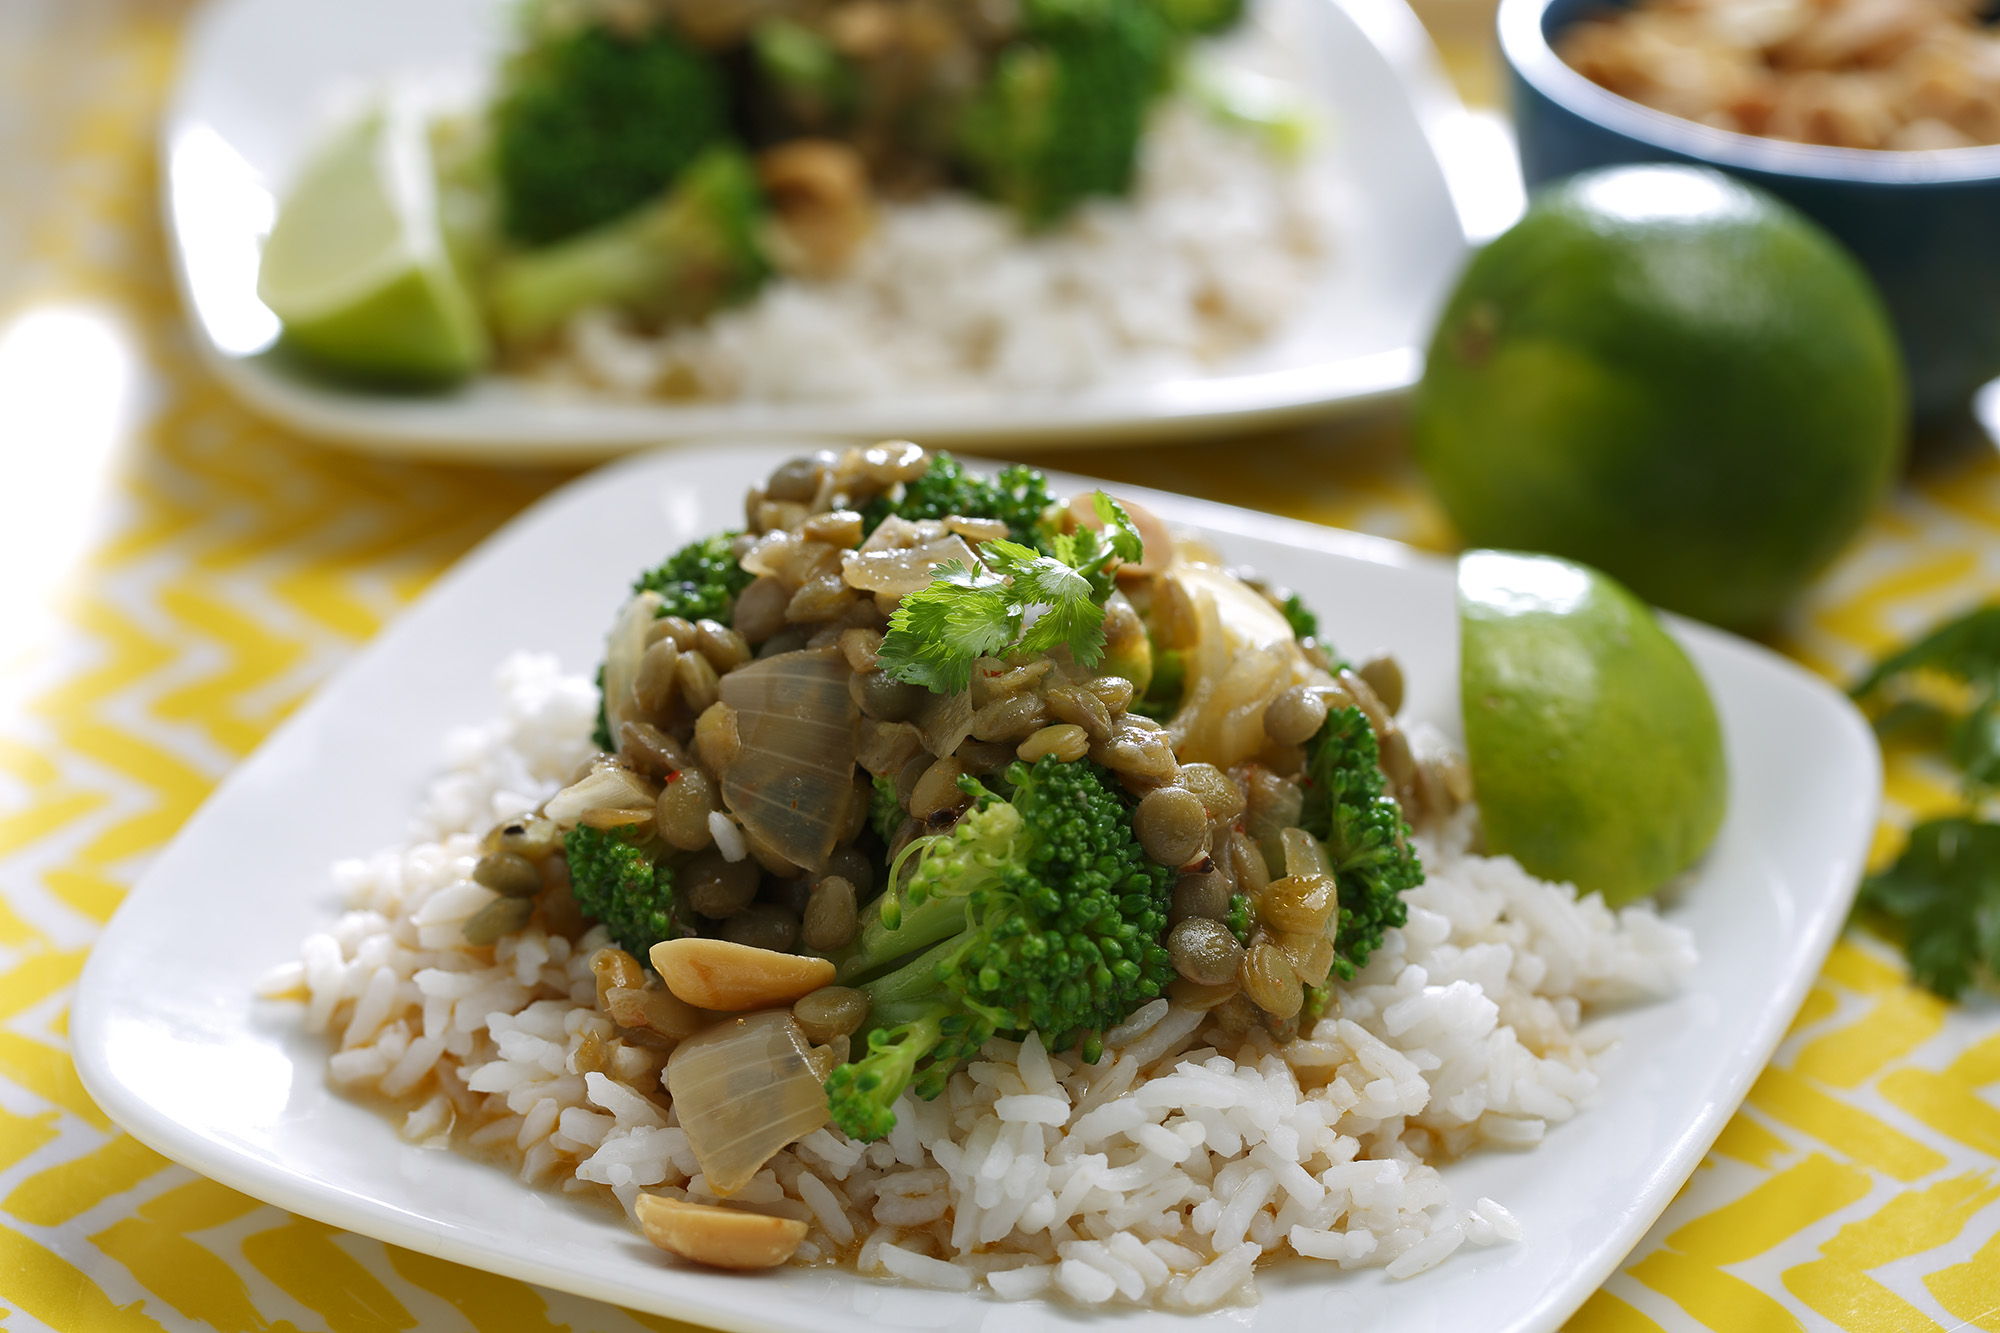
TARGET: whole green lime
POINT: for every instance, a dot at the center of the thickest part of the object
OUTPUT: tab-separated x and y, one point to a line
1669	375
1595	748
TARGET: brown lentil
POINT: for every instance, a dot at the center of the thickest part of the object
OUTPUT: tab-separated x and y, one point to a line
1010	719
881	696
684	807
508	874
502	916
829	1012
1066	741
1366	700
820	598
677	628
1067	703
1115	692
859	646
1385	677
780	515
716	738
613	968
937	792
1171	825
1138	751
796	479
830	918
1301	904
1247	865
841	528
1200	893
1294	717
697	680
884	747
1222	798
718	888
530	836
852	865
760	609
763	926
1193	995
658	676
650	750
1268	980
1204	951
860	795
725	648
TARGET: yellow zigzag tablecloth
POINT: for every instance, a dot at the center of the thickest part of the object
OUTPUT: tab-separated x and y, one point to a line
230	567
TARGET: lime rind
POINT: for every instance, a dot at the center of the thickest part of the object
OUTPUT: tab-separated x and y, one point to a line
1595	747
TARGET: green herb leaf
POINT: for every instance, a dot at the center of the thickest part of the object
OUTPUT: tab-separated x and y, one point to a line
1967	648
1944	892
1017	598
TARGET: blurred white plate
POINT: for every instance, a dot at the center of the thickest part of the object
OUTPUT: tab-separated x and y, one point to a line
260	77
170	1043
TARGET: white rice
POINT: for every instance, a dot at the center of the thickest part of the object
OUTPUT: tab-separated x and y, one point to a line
1163	1174
1218	246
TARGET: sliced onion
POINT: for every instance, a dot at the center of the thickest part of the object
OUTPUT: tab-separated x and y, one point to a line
622	651
607	786
1243	654
1303	854
791	781
945	720
905	571
743	1089
896	534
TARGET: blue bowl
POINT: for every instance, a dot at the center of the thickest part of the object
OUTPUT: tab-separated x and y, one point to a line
1925	225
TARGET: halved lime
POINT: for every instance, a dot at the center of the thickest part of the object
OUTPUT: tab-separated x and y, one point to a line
356	265
1595	748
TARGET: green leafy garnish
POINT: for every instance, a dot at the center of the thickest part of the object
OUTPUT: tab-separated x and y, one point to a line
1944	893
1966	650
1305	625
983	610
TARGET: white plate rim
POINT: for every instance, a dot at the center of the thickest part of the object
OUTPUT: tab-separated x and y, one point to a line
1459	142
392	1224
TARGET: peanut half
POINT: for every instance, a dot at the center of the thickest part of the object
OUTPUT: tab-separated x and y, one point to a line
717	974
718	1237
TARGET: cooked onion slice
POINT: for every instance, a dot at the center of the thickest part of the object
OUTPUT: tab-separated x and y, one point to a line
607	786
900	572
791	781
1243	653
743	1089
622	651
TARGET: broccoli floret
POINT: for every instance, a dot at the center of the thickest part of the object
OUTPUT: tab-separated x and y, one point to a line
885	809
698	582
1200	17
1018	497
1240	917
1366	840
624	883
810	85
691	251
1036	914
1062	114
590	124
1305	625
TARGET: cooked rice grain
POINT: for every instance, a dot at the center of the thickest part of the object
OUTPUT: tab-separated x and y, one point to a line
1160	1175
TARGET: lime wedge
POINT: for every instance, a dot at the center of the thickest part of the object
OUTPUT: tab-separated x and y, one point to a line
1595	748
356	265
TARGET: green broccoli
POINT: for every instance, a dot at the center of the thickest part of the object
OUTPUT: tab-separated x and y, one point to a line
1241	917
1305	625
1200	17
589	124
885	809
1018	497
691	251
811	86
1366	839
1036	914
1062	114
625	883
698	582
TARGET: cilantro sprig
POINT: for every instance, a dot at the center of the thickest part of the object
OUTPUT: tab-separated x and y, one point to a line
1942	894
1012	599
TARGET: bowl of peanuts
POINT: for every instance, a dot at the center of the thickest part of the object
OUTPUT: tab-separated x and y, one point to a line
1879	119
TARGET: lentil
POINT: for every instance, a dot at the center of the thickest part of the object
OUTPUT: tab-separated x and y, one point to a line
1171	825
1204	951
1066	741
830	917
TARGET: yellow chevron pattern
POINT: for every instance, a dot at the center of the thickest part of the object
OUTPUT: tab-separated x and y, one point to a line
1858	1189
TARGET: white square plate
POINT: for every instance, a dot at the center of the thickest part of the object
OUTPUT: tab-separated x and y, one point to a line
173	1047
259	79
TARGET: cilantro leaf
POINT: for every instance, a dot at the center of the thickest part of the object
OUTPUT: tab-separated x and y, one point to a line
1944	892
1017	598
1966	649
